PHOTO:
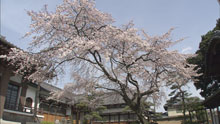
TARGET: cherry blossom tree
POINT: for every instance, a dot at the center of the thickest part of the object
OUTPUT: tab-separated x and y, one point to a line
103	57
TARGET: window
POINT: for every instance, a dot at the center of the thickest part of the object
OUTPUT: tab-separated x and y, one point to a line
29	102
124	117
105	118
44	106
114	118
11	97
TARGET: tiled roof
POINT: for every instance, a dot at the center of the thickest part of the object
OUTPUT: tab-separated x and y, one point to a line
49	87
112	98
5	46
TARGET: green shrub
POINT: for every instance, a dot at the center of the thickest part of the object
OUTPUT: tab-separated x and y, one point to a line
189	122
85	121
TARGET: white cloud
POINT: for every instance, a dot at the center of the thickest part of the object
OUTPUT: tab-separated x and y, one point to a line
186	50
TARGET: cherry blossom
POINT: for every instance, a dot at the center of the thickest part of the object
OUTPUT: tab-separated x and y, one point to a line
103	57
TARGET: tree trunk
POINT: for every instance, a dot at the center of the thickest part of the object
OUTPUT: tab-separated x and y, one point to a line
190	116
135	107
71	115
77	117
140	114
184	108
141	118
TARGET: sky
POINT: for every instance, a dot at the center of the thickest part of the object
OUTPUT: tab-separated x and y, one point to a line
190	18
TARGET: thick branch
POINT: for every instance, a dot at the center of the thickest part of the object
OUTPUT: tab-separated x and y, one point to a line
110	89
103	68
112	67
149	92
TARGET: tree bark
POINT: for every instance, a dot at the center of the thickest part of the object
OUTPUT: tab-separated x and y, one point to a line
77	116
190	116
71	115
135	106
139	112
184	108
141	118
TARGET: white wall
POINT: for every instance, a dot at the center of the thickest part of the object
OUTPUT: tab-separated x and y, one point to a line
31	91
173	113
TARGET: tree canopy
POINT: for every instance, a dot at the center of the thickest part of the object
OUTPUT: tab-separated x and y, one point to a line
204	81
102	57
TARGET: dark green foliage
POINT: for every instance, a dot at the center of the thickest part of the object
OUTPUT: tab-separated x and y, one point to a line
91	113
189	122
82	106
177	94
85	121
194	103
176	98
203	81
197	110
91	116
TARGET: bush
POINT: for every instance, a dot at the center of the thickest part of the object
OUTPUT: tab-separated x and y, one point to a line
85	121
189	122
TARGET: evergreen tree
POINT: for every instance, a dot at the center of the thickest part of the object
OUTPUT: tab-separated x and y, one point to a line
204	81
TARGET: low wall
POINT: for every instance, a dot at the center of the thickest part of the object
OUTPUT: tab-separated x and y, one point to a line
8	122
18	117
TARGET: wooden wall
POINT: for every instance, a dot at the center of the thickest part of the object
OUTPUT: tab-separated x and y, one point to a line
52	118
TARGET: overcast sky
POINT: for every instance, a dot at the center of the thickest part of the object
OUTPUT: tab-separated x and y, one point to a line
190	18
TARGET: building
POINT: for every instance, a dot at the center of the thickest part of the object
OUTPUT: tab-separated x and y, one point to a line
53	110
211	113
175	110
17	96
116	112
13	91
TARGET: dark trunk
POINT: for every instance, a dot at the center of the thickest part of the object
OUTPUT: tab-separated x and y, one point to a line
141	118
190	116
71	115
139	112
184	108
77	116
135	106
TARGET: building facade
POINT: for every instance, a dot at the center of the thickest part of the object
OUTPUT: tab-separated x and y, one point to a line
17	96
13	91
